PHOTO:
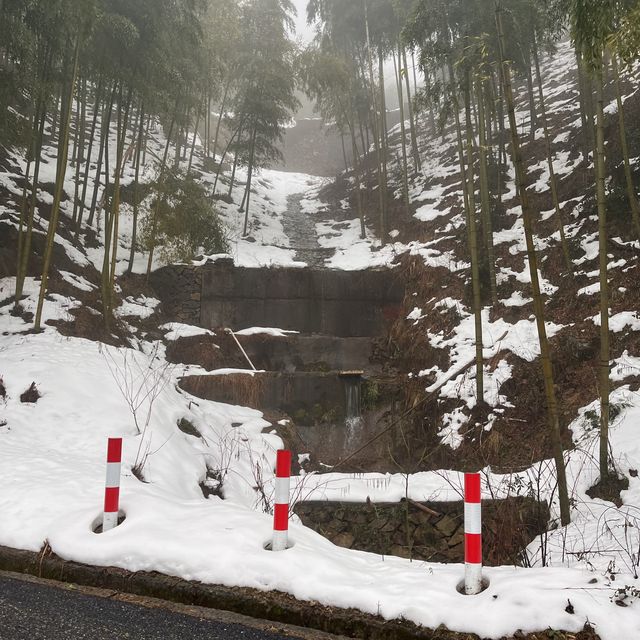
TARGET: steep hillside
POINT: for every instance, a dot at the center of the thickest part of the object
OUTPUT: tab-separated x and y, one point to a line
435	342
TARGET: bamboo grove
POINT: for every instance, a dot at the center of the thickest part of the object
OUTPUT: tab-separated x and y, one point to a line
90	76
468	54
94	74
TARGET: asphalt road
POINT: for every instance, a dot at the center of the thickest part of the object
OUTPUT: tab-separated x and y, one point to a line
32	609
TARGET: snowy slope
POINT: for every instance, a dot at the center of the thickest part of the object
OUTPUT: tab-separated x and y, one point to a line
52	473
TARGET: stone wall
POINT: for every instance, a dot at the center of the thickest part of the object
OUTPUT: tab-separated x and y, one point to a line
180	289
508	526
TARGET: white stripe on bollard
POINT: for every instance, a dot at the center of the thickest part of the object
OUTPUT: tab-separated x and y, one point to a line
472	517
282	491
113	474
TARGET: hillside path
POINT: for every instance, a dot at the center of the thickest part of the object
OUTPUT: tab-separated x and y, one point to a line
300	228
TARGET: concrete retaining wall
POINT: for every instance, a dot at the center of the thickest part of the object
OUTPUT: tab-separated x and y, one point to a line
308	353
339	303
308	397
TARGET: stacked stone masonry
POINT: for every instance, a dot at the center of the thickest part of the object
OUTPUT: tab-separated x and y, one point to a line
508	527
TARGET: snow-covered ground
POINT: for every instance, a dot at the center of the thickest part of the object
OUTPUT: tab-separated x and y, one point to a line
52	462
267	244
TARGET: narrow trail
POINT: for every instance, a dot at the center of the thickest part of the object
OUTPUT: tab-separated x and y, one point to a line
300	229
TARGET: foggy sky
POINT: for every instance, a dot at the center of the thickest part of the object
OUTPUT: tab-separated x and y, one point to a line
303	31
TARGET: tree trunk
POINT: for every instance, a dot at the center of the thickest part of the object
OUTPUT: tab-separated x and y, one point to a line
586	144
109	273
384	148
527	215
485	193
357	177
136	184
23	255
24	204
377	129
223	104
222	158
63	151
160	197
412	120
34	152
85	182
104	142
249	177
502	151
532	102
146	140
76	131
473	246
195	135
344	152
80	152
235	161
604	281
103	205
403	134
588	101
205	124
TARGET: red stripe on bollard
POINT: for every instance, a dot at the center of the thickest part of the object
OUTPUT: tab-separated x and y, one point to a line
472	492
111	499
473	548
112	485
283	463
114	450
281	517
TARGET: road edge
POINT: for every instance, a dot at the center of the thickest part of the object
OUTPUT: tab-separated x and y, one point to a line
274	606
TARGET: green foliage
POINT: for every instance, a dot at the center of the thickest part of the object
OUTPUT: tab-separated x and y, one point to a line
370	395
187	223
265	99
626	41
443	28
597	24
592	417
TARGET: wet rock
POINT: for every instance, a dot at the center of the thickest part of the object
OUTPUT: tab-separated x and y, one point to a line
344	539
447	525
400	551
31	395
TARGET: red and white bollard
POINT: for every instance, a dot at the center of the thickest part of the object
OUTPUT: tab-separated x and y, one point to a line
281	500
112	485
472	534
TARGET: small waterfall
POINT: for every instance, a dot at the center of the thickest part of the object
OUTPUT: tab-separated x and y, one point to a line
353	415
352	388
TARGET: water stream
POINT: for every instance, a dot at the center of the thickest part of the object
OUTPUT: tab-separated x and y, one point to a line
353	414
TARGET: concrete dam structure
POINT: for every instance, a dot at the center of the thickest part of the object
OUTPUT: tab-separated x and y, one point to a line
333	303
316	376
